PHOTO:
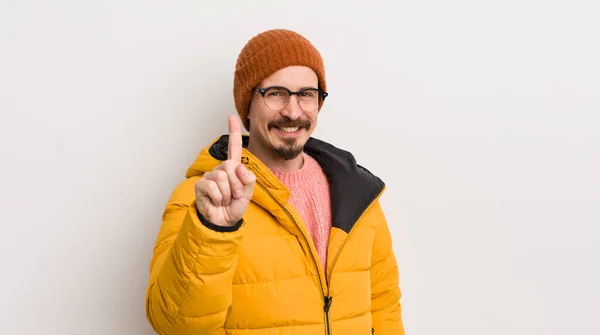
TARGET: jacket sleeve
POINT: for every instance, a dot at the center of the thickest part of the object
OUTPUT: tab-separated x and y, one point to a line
191	271
386	309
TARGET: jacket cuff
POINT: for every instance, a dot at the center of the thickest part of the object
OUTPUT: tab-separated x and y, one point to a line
220	229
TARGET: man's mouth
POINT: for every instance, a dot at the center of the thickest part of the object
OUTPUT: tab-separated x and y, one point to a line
289	126
288	130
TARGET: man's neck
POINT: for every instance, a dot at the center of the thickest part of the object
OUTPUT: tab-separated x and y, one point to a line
276	163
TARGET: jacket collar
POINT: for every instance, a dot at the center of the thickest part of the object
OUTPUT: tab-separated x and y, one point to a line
352	187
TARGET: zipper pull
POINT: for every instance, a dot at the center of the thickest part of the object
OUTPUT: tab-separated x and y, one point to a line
328	301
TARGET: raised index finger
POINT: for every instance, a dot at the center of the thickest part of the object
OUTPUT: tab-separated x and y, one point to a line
235	140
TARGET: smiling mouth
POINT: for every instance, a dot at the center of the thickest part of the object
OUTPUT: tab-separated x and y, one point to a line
289	127
288	130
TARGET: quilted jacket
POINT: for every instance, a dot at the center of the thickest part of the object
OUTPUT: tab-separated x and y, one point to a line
263	276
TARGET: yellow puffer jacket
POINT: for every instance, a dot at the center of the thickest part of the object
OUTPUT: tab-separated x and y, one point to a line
263	275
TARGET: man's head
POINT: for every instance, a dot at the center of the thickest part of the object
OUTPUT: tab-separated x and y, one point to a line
279	89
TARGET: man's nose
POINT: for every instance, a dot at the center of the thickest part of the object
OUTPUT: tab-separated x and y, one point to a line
292	110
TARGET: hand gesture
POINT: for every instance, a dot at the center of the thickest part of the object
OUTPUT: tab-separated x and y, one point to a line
223	194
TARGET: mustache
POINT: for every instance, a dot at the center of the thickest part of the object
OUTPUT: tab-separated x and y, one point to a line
286	122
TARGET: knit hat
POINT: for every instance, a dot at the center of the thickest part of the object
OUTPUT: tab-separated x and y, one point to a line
267	53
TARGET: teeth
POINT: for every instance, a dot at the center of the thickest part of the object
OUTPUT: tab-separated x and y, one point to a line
289	129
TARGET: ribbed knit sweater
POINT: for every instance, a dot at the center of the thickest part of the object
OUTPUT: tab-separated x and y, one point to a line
310	196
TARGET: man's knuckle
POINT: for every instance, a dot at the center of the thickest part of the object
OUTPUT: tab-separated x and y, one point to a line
213	186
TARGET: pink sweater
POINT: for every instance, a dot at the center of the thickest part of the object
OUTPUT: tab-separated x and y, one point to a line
310	196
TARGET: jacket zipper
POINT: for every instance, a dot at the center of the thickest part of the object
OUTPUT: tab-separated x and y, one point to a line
326	309
326	298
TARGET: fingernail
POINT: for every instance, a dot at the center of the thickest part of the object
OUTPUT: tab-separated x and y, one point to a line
238	194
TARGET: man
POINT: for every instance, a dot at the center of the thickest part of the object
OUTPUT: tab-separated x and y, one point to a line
275	232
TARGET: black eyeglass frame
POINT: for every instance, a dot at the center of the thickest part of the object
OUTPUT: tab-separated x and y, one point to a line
264	90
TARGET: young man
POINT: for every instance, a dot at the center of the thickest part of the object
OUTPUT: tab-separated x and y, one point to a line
275	232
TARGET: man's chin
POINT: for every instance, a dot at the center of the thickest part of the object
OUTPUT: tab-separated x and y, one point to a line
288	148
288	152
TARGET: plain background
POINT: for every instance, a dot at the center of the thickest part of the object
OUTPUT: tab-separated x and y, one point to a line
482	117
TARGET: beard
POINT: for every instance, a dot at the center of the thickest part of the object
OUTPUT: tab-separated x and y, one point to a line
290	148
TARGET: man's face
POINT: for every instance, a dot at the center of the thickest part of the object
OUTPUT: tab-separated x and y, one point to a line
283	132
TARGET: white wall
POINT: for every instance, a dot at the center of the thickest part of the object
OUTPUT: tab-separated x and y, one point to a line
482	117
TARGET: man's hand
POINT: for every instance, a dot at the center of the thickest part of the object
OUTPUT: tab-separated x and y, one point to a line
223	194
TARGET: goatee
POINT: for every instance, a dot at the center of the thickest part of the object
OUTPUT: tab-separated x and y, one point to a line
290	149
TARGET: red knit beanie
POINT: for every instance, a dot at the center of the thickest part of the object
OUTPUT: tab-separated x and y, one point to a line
267	53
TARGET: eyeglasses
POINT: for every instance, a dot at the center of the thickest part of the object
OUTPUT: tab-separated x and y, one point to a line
278	97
